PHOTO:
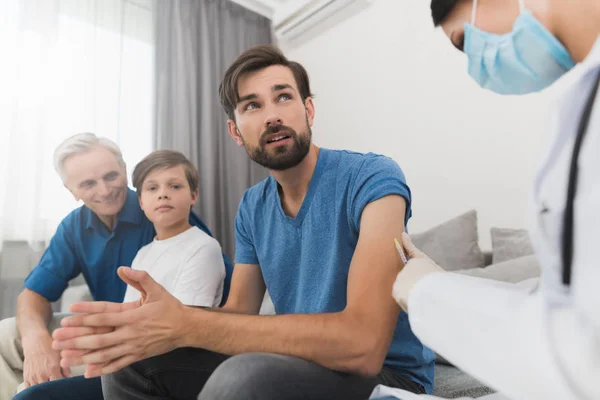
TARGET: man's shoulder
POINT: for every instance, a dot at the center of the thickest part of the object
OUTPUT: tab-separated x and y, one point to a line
359	164
258	193
76	220
140	255
145	249
197	238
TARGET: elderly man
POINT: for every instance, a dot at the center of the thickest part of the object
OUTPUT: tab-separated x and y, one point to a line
94	240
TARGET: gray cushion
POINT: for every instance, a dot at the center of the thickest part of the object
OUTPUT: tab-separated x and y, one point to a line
511	271
452	383
508	244
453	245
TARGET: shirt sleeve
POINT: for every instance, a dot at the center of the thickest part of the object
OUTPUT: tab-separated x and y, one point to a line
245	252
517	342
57	266
200	282
197	222
377	177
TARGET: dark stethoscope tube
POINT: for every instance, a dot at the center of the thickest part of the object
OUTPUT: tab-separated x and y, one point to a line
567	235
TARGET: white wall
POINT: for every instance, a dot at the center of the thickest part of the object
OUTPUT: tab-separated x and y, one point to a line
386	81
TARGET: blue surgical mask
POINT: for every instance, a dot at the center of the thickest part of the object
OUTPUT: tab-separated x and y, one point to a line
526	60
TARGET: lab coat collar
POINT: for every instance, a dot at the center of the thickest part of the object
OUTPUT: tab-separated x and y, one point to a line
572	99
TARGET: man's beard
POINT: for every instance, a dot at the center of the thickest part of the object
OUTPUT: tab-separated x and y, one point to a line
282	157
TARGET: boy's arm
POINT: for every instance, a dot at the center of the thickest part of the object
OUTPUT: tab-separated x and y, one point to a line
200	280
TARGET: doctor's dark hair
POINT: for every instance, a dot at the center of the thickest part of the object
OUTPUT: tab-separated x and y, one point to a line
163	159
440	10
255	59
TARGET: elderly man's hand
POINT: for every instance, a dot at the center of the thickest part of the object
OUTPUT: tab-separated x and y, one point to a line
42	362
417	268
110	336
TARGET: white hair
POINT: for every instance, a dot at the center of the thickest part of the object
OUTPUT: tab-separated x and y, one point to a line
82	143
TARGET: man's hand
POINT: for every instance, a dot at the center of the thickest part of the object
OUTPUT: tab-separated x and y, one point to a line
42	362
111	336
418	266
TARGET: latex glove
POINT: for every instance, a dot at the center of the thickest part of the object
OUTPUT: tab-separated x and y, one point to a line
418	267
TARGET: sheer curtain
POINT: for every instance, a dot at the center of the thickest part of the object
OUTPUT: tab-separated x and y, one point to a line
68	66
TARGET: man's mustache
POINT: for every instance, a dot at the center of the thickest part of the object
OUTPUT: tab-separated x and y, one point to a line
276	129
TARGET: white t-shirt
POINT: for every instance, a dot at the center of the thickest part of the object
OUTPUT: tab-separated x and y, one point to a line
189	266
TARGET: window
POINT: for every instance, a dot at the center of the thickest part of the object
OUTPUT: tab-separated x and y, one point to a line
68	66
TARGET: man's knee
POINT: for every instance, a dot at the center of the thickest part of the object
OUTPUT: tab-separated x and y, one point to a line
245	376
35	392
8	327
9	337
113	385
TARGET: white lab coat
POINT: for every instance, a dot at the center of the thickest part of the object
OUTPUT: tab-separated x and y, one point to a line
542	345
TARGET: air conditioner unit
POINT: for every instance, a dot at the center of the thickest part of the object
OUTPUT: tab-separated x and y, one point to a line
294	18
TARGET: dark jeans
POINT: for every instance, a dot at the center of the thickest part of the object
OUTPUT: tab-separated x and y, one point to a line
77	388
187	373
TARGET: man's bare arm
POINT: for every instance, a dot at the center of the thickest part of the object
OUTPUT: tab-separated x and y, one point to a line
354	340
33	315
247	290
42	362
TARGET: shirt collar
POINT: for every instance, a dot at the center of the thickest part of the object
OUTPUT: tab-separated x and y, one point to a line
592	61
130	213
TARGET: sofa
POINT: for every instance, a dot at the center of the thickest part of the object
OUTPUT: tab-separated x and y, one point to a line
454	245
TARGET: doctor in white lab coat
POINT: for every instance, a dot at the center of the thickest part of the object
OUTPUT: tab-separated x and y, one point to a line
544	344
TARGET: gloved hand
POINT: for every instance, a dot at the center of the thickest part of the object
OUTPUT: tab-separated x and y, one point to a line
418	266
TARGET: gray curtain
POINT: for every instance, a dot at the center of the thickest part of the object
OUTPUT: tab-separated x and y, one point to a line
196	41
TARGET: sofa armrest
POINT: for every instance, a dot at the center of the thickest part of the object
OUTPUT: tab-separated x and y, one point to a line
74	294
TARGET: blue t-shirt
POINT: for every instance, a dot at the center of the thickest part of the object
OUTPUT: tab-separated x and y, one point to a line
82	244
305	260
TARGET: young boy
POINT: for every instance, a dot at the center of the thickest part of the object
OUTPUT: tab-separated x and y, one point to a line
183	259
